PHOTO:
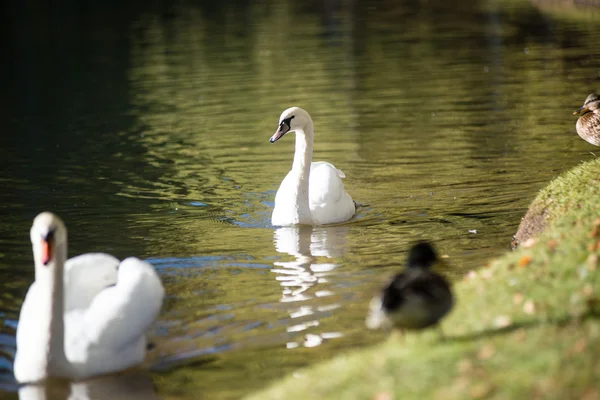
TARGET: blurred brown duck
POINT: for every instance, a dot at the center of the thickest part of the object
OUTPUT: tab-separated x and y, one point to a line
588	125
414	299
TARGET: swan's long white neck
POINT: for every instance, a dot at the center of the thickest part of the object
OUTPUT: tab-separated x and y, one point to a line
50	312
301	172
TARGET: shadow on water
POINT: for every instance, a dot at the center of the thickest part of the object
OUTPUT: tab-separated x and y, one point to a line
145	126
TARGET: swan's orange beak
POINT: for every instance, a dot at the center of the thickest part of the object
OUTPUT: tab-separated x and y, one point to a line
47	247
282	130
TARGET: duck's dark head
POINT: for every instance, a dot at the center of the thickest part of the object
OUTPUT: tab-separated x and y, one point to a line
421	255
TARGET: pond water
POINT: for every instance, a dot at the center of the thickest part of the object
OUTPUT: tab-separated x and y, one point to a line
146	128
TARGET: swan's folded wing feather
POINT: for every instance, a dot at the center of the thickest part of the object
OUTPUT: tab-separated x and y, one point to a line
329	202
120	315
325	185
85	276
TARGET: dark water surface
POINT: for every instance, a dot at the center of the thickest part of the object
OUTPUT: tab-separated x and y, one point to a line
146	127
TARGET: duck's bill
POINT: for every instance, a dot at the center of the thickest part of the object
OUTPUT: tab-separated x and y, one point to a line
282	130
580	110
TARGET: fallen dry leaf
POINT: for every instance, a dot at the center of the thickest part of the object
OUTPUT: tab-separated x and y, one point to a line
524	261
595	231
529	307
486	352
580	345
464	366
383	396
592	262
471	275
590	394
595	245
517	298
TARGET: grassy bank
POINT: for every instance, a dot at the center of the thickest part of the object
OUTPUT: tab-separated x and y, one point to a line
525	326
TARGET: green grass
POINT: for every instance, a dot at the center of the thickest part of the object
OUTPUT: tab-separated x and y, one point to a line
525	326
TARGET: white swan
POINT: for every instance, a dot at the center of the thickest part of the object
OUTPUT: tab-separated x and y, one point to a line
85	317
311	193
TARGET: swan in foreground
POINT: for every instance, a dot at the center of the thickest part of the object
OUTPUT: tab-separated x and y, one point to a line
311	193
415	298
82	317
588	125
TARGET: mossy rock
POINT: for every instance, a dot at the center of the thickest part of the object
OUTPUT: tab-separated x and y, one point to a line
581	184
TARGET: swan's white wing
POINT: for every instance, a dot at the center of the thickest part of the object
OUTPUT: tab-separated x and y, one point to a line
329	202
119	315
85	276
325	185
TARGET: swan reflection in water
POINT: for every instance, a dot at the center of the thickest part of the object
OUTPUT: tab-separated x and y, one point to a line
302	279
114	387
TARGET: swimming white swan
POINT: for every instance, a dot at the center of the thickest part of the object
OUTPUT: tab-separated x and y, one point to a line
311	193
85	317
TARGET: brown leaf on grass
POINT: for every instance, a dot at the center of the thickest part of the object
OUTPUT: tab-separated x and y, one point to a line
383	396
464	366
517	298
486	352
524	261
595	231
588	291
590	394
552	244
529	307
471	275
594	246
579	346
592	262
